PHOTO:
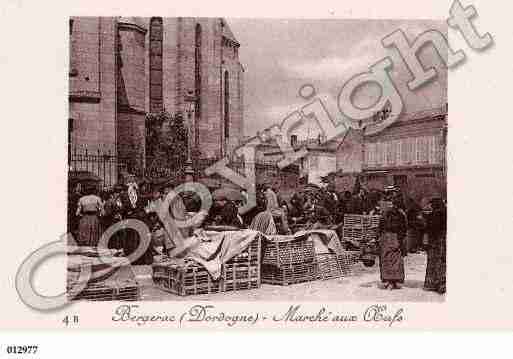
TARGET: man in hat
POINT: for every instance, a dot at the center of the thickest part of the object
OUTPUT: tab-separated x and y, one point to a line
331	203
224	213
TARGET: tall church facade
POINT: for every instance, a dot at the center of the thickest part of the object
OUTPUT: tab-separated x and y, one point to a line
123	68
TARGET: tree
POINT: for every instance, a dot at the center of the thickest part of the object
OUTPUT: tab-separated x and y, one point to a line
166	143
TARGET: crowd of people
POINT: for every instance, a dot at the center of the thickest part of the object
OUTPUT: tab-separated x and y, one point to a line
405	226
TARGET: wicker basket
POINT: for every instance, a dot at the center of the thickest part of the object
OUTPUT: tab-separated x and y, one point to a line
240	272
287	250
328	266
289	274
348	262
109	291
120	286
331	265
359	234
361	221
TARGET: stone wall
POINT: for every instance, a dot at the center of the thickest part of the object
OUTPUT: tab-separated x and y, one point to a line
131	92
179	77
232	67
92	82
121	68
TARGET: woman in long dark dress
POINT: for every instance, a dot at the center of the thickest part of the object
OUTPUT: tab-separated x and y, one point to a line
133	207
391	265
89	208
436	251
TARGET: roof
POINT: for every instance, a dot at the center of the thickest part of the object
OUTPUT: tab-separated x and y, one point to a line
405	119
311	144
133	22
227	33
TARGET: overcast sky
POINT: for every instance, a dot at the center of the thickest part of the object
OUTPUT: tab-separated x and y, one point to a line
279	56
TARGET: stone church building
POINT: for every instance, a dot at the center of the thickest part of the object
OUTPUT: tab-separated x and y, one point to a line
123	68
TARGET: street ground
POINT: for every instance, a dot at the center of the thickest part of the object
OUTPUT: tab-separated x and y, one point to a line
363	285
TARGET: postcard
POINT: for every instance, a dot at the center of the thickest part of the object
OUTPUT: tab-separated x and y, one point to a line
274	171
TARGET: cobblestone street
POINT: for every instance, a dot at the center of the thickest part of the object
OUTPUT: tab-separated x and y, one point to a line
363	285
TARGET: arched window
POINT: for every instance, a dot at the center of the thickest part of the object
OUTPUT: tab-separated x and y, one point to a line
226	105
197	79
155	53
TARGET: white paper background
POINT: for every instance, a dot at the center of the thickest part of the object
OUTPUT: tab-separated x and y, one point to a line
33	65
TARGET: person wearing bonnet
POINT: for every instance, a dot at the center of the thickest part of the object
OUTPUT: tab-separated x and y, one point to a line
89	209
436	225
392	229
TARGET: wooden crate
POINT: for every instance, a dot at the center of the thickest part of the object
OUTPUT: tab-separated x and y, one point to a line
348	262
361	221
359	234
102	291
240	272
370	234
287	250
328	266
122	286
188	279
373	221
289	274
111	277
352	233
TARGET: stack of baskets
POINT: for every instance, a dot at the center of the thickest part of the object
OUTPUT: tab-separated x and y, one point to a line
347	261
329	266
111	277
190	278
288	260
361	229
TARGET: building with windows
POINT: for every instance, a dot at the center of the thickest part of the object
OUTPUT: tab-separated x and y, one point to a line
321	158
410	154
122	68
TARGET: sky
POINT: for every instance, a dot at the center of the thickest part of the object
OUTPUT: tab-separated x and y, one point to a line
281	55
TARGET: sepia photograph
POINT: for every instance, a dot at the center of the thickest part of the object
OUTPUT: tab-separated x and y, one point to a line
257	159
235	178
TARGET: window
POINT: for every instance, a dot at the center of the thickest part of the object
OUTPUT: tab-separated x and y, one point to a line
379	154
197	80
371	149
293	140
374	154
155	53
432	159
424	154
405	151
226	105
381	150
367	155
390	146
418	150
399	153
439	150
413	150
